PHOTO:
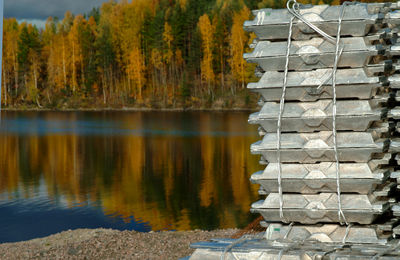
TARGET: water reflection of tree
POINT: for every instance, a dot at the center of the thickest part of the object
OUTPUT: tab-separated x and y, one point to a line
174	182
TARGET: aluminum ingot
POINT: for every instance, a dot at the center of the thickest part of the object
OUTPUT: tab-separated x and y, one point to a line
396	210
318	147
316	53
327	233
253	247
397	158
274	24
383	190
388	226
394	81
312	209
355	115
321	177
396	230
303	86
251	250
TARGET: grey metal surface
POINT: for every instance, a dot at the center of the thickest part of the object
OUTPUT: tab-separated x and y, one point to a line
395	113
254	248
318	147
326	233
394	81
334	134
396	210
313	187
396	230
383	230
312	54
388	226
268	253
384	190
302	86
362	178
323	207
356	115
357	21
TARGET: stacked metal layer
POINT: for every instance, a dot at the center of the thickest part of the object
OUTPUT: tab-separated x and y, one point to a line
329	77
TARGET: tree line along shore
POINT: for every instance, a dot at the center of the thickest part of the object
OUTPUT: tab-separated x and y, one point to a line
136	54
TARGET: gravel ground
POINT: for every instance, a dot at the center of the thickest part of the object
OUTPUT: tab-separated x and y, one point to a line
110	244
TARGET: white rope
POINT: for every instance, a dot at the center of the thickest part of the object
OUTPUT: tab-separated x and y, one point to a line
285	249
297	243
281	253
346	234
294	10
288	231
334	70
244	238
285	237
281	109
329	77
232	245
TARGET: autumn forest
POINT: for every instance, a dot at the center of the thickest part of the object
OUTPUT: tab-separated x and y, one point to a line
133	54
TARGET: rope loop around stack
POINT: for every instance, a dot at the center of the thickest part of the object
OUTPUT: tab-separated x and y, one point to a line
281	109
294	8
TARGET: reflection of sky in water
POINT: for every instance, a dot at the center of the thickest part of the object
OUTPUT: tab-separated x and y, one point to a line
106	126
39	216
124	170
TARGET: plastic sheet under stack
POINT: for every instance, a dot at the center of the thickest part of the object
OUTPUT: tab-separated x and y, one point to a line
330	111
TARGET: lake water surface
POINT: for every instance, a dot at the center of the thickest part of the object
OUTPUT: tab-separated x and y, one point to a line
124	170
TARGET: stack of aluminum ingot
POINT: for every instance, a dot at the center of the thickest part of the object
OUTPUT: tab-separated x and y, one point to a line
328	121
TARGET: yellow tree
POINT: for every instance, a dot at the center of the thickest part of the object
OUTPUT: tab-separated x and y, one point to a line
63	30
105	49
136	69
168	54
56	65
10	59
57	51
113	14
182	4
158	70
127	19
75	43
34	68
168	38
124	32
47	41
207	32
237	46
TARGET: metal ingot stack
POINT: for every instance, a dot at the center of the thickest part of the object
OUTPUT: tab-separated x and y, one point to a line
311	175
328	123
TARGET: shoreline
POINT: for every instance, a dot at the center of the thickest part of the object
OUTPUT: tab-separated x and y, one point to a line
128	109
111	244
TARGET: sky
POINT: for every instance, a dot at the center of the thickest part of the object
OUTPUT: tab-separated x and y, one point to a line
37	11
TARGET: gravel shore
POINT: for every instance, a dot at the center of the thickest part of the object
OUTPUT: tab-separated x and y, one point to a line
110	244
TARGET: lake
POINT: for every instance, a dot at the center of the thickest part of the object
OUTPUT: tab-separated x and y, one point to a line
124	170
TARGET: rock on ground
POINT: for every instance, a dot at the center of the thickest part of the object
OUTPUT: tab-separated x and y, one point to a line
110	244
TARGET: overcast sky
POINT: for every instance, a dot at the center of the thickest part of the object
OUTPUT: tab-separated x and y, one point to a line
37	11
